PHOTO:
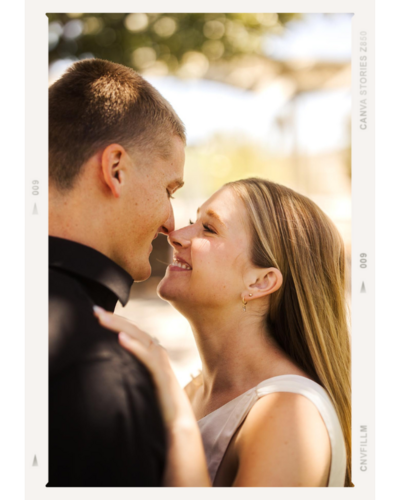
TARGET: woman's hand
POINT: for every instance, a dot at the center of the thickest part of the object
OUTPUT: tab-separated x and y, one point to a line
173	401
183	433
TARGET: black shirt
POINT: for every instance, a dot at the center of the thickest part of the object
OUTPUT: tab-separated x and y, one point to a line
105	427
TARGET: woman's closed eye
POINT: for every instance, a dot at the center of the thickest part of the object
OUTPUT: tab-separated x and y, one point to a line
206	228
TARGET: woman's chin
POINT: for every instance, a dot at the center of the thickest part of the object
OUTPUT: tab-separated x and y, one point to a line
164	291
169	292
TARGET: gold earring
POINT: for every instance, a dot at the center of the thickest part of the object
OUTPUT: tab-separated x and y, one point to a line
245	303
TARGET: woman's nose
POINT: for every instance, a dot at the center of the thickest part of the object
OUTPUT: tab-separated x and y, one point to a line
179	238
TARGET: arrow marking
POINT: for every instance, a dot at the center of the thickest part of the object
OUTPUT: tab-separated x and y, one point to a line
35	212
363	290
35	462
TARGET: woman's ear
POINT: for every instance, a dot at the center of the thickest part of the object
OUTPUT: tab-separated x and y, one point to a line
263	282
112	166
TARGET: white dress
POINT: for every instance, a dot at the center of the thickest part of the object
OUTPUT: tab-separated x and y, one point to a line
218	427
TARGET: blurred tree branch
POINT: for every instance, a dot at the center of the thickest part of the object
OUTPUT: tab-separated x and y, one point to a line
182	44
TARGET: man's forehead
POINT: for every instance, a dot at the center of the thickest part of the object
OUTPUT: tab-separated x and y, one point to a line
175	177
167	172
175	164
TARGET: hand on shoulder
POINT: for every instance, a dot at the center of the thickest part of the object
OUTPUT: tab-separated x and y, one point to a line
193	385
283	442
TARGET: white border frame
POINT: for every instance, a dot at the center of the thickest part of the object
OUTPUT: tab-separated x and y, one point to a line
363	241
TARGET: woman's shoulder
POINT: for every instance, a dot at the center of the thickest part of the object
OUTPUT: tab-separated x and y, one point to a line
289	407
283	429
192	387
283	408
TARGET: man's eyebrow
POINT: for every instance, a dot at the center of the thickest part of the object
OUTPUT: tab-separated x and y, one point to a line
178	183
210	212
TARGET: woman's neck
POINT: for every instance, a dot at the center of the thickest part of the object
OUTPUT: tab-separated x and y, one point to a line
236	354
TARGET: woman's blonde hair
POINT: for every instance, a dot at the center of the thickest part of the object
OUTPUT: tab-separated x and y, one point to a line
308	315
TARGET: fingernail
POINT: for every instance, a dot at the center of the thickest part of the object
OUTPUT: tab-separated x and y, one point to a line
98	310
123	336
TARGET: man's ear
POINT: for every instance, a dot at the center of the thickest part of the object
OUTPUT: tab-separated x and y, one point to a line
262	282
113	168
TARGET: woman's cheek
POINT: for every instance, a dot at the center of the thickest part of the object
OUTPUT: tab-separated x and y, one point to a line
200	254
210	259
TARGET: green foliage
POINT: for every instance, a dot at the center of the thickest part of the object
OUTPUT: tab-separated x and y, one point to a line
166	41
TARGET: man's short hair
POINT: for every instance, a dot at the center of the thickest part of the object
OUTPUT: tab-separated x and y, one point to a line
97	103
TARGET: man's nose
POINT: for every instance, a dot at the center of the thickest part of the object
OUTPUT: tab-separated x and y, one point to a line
169	224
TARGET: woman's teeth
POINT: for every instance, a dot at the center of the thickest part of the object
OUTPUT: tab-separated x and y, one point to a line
181	264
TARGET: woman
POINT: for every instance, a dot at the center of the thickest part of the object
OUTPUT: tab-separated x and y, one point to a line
260	276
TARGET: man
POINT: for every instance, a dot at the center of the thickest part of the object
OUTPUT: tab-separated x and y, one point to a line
116	156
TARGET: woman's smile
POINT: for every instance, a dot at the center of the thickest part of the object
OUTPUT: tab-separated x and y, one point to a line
179	264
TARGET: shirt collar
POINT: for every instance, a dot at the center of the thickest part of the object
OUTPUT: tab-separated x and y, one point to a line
85	261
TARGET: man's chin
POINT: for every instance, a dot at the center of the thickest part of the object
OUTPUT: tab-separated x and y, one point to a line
142	274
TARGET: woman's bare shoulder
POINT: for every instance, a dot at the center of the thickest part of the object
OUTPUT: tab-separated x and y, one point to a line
193	385
281	431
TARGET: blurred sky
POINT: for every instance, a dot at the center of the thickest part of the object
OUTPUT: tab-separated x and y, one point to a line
318	36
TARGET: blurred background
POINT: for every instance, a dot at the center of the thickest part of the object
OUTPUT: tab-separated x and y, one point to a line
264	95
